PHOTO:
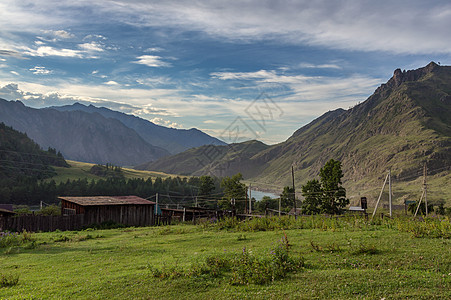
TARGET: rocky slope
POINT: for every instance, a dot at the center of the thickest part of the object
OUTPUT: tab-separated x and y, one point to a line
405	123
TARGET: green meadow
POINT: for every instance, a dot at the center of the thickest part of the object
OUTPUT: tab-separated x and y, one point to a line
308	258
79	170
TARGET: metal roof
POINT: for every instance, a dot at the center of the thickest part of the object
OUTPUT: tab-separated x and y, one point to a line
108	200
6	211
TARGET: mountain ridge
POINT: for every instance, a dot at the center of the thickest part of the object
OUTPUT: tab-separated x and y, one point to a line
79	135
172	140
402	125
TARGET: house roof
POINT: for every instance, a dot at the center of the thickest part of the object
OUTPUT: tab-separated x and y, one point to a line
5	211
108	200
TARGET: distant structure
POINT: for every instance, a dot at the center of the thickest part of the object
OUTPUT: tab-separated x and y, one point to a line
127	210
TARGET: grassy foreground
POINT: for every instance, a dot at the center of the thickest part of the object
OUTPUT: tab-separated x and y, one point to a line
342	259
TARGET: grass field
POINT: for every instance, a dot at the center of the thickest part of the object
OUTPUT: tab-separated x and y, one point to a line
342	259
81	170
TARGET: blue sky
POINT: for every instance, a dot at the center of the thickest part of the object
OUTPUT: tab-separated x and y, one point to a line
268	67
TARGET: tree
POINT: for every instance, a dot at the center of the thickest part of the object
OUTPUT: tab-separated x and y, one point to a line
286	198
206	186
313	197
334	194
234	189
327	196
266	202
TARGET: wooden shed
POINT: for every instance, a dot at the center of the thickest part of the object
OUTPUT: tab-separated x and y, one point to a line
128	210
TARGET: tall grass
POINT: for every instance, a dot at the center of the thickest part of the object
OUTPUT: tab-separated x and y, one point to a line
432	227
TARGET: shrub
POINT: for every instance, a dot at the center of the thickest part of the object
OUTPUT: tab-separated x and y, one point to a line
9	239
245	267
51	210
364	249
7	280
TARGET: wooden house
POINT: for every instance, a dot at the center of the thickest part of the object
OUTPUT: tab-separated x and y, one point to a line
128	210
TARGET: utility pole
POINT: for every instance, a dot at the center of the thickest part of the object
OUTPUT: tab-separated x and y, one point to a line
380	195
389	192
156	205
294	192
245	203
280	206
250	198
424	194
425	187
232	201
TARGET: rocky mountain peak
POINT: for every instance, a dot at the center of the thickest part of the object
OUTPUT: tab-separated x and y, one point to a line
401	76
411	75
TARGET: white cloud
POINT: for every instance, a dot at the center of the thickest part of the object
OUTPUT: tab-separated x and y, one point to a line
111	82
152	61
243	75
319	66
50	51
14	73
153	49
62	34
40	71
167	123
92	46
154	81
94	36
393	26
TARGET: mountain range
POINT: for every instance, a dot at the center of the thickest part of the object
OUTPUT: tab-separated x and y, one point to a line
405	123
99	135
172	140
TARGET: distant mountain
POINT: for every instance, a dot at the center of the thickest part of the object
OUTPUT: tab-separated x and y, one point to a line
171	139
405	123
81	136
211	160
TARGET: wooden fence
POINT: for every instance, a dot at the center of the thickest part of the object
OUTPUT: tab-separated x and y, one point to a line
42	223
34	223
160	220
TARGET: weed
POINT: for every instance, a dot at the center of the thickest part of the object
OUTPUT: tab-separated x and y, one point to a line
32	245
364	249
7	280
9	239
316	247
241	237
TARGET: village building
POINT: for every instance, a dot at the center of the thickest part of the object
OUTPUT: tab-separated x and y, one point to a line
128	210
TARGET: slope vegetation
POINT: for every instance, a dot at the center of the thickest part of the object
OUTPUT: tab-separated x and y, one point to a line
403	125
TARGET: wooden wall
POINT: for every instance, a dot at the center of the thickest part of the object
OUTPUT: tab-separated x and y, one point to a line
131	215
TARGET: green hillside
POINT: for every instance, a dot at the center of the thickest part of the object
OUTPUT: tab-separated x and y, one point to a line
212	160
403	125
82	170
22	158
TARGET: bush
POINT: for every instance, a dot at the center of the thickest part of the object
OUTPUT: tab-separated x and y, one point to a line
245	267
9	239
7	280
51	210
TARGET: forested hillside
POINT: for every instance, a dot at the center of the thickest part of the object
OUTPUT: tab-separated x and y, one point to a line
23	162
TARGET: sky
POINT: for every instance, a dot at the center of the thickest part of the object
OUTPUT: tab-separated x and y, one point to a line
237	70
